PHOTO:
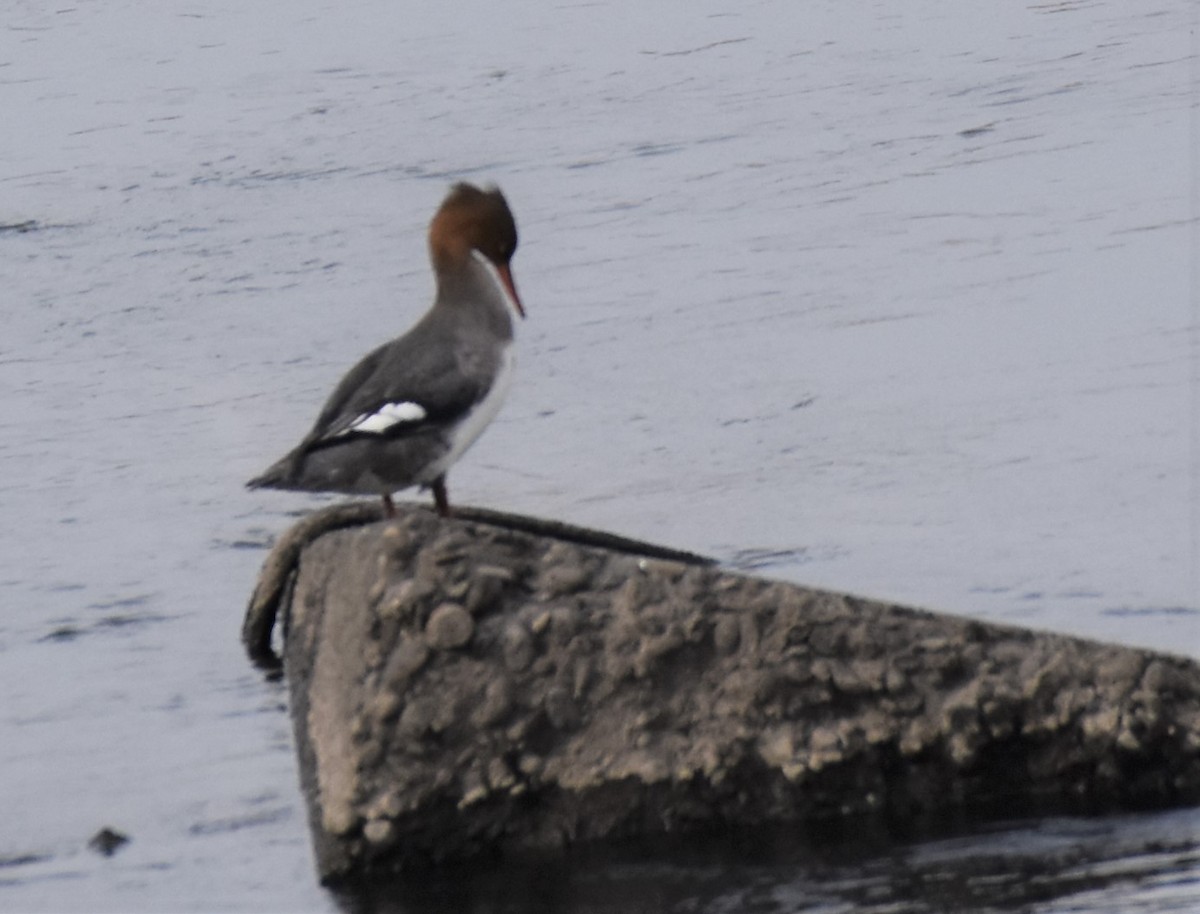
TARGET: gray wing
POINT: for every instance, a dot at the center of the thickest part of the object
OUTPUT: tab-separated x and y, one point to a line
405	386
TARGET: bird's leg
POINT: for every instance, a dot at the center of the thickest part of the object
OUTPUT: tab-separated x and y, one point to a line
441	500
389	507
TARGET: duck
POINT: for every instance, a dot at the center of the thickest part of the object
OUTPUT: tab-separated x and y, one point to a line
409	410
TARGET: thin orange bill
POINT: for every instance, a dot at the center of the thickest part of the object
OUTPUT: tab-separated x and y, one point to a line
510	286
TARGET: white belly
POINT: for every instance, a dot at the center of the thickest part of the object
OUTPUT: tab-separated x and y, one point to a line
477	420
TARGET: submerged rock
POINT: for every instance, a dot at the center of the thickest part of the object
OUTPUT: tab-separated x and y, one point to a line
107	841
461	686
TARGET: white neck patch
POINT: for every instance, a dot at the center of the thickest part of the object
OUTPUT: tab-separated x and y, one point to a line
495	274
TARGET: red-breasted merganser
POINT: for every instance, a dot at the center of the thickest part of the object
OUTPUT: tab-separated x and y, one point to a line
403	415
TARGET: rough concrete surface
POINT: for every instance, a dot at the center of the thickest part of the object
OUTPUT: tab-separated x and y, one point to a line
460	687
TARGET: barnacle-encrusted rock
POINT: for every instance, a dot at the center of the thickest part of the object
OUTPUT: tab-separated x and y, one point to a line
461	685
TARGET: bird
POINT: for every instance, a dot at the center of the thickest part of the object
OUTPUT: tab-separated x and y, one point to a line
409	410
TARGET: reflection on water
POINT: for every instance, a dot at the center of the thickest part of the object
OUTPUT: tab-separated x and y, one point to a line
1120	865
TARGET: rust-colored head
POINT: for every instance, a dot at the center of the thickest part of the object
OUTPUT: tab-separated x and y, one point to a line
471	219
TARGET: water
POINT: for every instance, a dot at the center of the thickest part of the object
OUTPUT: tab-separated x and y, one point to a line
899	302
1121	865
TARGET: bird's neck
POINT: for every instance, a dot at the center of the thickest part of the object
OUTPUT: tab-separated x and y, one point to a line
472	287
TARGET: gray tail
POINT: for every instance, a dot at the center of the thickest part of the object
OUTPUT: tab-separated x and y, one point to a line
274	477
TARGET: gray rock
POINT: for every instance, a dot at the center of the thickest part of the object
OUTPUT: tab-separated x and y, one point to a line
586	692
450	626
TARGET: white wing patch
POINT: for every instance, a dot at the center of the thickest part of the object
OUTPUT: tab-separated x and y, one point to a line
387	416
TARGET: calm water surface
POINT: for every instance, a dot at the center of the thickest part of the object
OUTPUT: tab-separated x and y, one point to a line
899	302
